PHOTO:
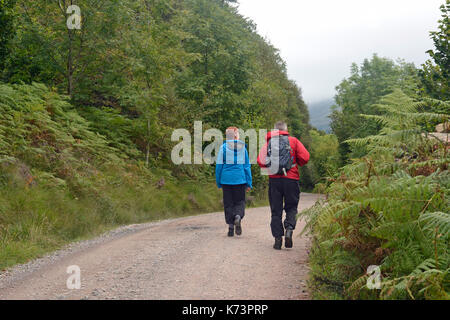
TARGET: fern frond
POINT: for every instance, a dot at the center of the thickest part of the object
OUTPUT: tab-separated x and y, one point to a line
436	220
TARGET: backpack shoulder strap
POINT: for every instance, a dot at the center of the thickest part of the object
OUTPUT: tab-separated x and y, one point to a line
294	159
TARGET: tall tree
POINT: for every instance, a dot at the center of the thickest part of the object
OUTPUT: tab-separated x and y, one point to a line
6	29
47	50
436	72
357	94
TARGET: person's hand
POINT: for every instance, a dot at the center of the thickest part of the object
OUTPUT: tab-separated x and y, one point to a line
248	189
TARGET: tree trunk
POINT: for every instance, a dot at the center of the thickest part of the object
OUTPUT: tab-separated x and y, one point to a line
206	60
70	62
147	155
70	68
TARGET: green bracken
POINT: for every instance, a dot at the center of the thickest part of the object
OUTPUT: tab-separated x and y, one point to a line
388	209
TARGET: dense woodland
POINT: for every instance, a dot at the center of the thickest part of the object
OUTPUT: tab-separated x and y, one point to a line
138	69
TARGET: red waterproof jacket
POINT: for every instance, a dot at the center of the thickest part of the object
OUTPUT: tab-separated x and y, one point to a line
301	155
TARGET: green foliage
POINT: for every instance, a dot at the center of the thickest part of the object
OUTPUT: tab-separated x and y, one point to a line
60	181
389	208
357	95
6	29
375	78
139	69
401	120
324	157
435	74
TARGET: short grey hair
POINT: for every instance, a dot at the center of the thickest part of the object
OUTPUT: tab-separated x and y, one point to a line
281	125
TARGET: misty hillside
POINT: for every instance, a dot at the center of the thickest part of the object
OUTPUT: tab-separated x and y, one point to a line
319	112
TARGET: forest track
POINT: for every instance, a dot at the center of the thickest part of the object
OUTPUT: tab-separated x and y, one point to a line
185	258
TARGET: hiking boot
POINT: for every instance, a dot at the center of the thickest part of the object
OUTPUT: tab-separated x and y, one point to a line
231	232
237	224
278	243
288	238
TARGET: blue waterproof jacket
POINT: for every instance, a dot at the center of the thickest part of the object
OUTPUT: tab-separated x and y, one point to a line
233	164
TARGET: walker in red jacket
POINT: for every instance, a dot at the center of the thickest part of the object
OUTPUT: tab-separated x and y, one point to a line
284	189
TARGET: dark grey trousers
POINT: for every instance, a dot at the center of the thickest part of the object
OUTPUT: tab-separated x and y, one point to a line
283	194
233	201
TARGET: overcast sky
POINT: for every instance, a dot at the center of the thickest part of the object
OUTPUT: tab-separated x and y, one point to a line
319	39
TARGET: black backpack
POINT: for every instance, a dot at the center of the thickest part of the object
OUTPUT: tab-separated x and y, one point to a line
279	155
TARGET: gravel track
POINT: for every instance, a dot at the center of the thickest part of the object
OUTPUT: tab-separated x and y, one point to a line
185	258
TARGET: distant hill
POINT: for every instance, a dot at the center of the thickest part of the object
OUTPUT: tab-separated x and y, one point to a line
319	112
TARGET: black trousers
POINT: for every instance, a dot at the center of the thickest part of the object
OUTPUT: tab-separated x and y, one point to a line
233	201
283	194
